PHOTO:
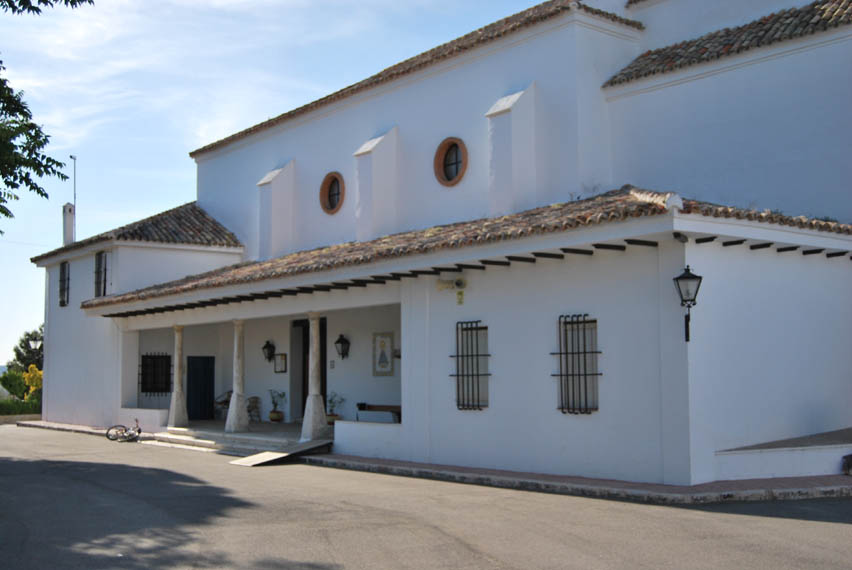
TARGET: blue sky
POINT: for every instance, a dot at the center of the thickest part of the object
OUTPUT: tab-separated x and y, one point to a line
131	87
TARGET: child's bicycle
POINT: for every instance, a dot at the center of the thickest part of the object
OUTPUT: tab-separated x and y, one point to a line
123	433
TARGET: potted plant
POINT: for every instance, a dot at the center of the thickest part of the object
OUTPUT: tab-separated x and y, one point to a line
278	398
333	401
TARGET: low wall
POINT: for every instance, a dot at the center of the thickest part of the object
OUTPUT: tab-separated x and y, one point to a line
367	439
19	418
150	419
783	462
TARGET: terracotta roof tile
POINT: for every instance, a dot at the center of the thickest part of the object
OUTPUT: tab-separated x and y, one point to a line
625	203
187	224
482	36
781	26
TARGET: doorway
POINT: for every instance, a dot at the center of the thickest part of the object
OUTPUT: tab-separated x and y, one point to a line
302	328
200	387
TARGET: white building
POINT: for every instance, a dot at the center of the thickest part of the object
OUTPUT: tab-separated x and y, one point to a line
494	226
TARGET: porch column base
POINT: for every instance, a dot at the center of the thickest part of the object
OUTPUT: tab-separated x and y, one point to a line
238	419
315	424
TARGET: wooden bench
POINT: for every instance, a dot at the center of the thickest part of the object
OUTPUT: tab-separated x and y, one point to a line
395	411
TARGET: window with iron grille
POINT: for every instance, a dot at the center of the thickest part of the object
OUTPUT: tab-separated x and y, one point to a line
578	364
100	274
155	374
471	365
64	283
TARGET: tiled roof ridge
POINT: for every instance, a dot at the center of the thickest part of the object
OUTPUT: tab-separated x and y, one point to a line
615	205
185	224
476	38
818	16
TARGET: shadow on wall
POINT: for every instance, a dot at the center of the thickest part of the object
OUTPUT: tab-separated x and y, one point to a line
113	516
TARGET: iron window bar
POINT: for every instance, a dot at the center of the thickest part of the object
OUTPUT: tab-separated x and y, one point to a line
471	370
578	364
155	374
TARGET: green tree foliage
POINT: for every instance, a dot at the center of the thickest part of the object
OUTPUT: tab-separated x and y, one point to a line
25	354
34	7
13	381
22	142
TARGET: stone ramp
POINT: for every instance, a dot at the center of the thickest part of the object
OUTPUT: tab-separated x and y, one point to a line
294	451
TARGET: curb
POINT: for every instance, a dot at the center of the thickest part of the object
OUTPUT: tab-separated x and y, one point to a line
592	491
75	429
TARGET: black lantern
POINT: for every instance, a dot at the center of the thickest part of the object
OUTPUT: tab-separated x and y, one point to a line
342	346
268	350
687	284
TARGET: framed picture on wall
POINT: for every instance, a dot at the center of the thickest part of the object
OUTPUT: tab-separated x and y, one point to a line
281	363
383	354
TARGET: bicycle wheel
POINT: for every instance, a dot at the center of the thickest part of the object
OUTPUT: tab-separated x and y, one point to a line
116	432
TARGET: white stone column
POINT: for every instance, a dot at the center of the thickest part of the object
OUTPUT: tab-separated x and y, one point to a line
238	419
315	424
177	407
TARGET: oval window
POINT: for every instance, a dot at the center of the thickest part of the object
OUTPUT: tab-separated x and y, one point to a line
332	193
450	161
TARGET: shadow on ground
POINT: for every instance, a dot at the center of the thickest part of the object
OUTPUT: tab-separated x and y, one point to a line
818	510
65	514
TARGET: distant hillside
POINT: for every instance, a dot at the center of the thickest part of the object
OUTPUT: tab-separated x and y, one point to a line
2	369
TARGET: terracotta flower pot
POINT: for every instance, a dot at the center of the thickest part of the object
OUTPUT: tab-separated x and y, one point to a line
332	418
276	416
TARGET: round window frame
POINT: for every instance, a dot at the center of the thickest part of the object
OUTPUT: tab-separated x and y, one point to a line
441	153
324	189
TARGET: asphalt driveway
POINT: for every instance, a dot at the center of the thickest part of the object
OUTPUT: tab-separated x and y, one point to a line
78	501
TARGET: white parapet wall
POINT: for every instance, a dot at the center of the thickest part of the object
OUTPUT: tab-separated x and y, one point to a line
369	439
782	462
150	420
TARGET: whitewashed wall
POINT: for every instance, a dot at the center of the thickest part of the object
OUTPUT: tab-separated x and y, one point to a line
668	22
449	99
767	136
353	377
81	355
135	267
769	357
522	429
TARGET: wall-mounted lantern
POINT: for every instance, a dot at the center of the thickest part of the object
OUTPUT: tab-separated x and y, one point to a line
687	284
342	346
268	350
34	343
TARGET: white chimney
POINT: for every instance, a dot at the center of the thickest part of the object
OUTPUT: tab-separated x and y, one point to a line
68	224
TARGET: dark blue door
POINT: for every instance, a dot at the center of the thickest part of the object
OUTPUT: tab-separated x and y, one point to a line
200	387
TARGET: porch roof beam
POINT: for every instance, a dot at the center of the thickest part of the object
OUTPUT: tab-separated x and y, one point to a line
425	272
610	246
470	266
498	262
642	242
447	269
577	251
548	255
521	258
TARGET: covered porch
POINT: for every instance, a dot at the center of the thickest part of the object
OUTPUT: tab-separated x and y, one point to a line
218	377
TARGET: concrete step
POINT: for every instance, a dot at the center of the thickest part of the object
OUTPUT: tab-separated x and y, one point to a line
259	440
232	444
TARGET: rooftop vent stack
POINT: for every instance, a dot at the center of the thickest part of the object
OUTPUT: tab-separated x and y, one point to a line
68	224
